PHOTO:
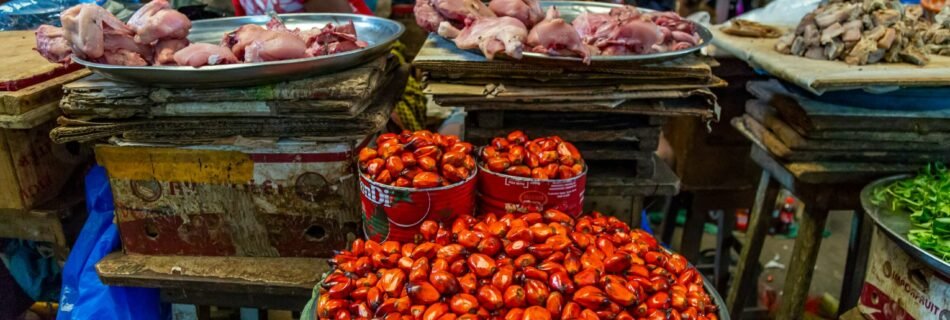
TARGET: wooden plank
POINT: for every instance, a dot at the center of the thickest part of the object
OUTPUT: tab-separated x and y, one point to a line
277	276
490	119
618	181
802	265
585	96
22	66
760	220
492	89
32	168
692	107
766	115
645	138
590	80
37	95
261	300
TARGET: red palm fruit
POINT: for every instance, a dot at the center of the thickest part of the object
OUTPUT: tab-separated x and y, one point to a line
535	273
468	239
500	143
514	314
367	154
517	137
572	264
374	166
482	265
571	310
405	263
490	297
427	164
391	281
553	215
503	278
659	300
516	248
489	246
591	297
444	282
539	174
514	296
426	180
468	283
423	292
463	303
451	252
558	243
419	270
518	171
516	155
536	292
587	277
385	137
408	159
589	314
560	281
536	313
374	297
458	267
425	249
525	260
554	304
617	262
428	229
435	311
519	233
359	293
394	164
402	182
616	289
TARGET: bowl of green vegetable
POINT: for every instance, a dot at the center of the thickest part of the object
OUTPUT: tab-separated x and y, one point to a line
914	210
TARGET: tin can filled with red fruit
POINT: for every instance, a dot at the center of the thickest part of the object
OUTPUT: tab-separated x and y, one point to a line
410	177
518	174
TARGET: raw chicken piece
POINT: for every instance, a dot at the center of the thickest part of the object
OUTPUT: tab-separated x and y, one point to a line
157	20
330	39
51	44
239	39
121	49
165	51
527	11
555	37
591	26
491	35
204	54
274	46
85	26
431	13
634	35
123	57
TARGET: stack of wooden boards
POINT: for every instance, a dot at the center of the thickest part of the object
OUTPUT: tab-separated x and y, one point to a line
340	106
612	111
814	136
257	171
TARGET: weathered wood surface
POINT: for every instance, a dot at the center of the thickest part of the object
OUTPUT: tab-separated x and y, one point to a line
254	275
691	107
441	55
22	66
521	89
643	138
346	93
801	267
45	223
759	133
614	180
32	118
592	80
769	117
582	96
811	117
819	76
35	96
759	222
195	128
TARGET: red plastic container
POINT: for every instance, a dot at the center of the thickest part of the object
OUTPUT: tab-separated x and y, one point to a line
394	213
501	193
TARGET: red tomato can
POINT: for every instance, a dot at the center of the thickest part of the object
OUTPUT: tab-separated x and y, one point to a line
502	193
394	213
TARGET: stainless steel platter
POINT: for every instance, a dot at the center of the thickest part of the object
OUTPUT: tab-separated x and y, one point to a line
896	225
379	33
571	9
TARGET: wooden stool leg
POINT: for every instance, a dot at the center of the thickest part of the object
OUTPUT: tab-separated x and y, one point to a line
724	240
856	265
637	211
744	278
669	221
802	265
690	243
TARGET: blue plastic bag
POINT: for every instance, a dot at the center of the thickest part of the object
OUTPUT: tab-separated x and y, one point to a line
83	295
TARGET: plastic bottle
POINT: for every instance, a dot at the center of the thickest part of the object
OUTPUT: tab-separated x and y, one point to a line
786	216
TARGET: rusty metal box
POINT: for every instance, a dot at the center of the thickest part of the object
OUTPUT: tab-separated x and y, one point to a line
287	199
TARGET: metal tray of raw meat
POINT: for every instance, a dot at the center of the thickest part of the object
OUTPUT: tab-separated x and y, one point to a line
896	225
571	9
379	33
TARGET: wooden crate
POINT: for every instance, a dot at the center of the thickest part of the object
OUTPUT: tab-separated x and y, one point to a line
33	169
285	199
57	222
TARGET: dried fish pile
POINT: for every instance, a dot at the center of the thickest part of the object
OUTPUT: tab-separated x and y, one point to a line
869	31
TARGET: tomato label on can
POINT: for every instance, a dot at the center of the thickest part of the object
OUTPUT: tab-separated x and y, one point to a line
394	213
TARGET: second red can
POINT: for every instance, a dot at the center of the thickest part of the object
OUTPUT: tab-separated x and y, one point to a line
501	193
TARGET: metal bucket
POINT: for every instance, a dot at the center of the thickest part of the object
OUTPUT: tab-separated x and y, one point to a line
502	193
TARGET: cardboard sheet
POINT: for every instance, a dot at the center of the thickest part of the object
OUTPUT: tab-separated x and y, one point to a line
819	76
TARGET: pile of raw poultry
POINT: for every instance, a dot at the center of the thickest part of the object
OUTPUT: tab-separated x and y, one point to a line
514	26
869	31
536	266
157	35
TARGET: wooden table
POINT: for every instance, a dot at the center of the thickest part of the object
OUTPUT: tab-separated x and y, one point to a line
821	189
607	184
266	283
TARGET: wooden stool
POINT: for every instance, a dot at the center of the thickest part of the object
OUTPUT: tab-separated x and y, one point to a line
255	282
821	187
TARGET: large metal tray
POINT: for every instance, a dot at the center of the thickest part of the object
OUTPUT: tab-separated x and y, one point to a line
571	9
379	33
896	225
